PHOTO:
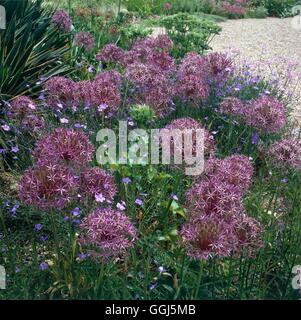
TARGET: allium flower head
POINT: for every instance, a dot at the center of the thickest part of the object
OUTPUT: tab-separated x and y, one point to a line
184	124
47	186
214	197
85	40
65	146
249	233
205	237
61	91
191	83
219	67
62	20
286	153
96	181
107	233
103	90
110	76
236	170
167	6
153	87
232	106
24	111
266	114
21	107
111	54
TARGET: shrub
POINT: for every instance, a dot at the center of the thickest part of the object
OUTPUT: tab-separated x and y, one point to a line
277	8
189	33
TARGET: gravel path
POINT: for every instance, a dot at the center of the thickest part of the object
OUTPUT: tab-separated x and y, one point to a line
263	39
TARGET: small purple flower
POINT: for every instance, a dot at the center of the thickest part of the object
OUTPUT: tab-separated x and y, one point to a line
255	138
139	202
121	206
152	286
285	180
15	149
44	266
83	256
76	222
102	107
76	212
174	197
64	120
99	198
14	209
5	127
91	69
126	180
161	269
38	227
44	238
66	218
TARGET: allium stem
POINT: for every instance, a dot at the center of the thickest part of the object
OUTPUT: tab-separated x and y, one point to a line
55	235
99	282
200	276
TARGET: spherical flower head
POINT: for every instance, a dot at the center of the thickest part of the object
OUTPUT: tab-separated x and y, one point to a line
85	40
106	91
236	170
24	111
205	237
232	106
107	233
33	123
167	6
162	60
266	114
162	42
110	76
111	54
21	107
62	20
185	124
191	78
65	146
214	197
96	181
219	67
61	92
286	153
139	73
153	87
249	234
48	186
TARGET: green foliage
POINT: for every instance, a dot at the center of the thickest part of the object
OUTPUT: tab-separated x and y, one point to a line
259	13
145	7
29	48
142	114
129	33
189	33
276	8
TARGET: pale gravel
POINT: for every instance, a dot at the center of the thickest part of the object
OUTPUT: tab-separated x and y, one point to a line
263	39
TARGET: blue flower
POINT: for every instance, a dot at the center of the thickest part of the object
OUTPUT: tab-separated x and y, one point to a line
38	227
43	266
